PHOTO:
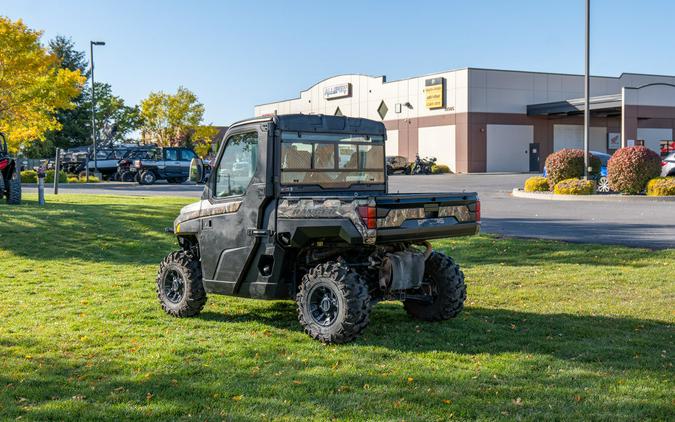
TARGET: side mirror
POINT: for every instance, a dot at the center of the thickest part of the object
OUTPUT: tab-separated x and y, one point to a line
196	170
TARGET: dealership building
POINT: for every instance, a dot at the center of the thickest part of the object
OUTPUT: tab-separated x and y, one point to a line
485	120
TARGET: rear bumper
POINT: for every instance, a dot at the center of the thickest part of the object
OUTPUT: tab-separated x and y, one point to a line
404	234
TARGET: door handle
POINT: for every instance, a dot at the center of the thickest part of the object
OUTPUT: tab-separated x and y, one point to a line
259	232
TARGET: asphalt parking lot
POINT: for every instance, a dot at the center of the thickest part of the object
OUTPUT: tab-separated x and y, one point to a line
642	224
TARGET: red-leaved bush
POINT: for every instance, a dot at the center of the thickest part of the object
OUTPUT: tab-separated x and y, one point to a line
630	168
569	164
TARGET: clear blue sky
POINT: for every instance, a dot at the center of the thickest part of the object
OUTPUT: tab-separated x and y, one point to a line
235	54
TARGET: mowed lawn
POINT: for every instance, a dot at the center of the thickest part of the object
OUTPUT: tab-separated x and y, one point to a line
551	331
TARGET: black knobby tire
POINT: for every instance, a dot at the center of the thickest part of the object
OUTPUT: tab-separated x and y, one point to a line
13	186
350	302
191	296
449	291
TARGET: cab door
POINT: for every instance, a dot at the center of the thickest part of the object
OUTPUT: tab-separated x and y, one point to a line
232	223
172	165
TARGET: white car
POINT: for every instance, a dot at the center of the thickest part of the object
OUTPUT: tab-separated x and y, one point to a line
668	165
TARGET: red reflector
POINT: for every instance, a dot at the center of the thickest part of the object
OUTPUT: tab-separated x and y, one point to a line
663	163
478	211
369	216
3	163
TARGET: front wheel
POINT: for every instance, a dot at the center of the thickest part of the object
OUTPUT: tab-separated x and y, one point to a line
179	285
333	303
444	283
603	185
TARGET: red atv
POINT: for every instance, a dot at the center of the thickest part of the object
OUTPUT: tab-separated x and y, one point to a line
10	182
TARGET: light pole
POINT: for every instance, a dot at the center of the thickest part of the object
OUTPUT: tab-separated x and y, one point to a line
587	108
93	106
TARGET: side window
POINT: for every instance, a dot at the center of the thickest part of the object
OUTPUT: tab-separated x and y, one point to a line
171	155
237	165
187	155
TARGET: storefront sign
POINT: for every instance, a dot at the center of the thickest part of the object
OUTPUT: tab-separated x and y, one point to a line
613	140
337	91
434	90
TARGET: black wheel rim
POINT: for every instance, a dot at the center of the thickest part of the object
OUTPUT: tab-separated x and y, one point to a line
323	306
173	286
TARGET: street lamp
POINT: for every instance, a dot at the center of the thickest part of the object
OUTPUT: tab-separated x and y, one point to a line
587	108
93	106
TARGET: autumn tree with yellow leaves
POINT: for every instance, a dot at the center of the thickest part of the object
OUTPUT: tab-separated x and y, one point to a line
33	85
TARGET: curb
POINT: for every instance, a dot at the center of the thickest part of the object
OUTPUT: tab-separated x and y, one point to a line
519	193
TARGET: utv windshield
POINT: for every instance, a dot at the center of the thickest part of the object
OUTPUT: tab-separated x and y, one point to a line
331	160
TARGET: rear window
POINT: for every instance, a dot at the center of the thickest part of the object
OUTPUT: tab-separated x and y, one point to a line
331	160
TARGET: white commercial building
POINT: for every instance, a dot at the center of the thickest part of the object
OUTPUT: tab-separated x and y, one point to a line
478	120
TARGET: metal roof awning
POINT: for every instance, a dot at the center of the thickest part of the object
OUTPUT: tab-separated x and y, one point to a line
602	106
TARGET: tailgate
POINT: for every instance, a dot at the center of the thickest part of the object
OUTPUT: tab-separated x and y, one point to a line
411	217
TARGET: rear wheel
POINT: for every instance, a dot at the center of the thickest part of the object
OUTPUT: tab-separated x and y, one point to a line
179	285
444	282
147	178
333	303
13	188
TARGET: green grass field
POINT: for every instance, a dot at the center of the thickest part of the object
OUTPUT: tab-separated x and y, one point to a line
551	331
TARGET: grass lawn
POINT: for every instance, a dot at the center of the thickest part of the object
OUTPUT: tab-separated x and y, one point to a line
551	331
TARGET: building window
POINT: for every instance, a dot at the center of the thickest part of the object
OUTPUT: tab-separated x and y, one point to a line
382	110
338	112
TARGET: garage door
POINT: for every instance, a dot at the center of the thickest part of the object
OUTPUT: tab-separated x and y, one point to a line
508	147
439	142
654	136
572	136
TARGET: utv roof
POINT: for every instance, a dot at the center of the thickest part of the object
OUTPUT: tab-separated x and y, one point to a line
320	123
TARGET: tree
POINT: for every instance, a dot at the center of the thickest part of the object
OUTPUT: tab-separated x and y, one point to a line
33	86
170	120
202	139
114	119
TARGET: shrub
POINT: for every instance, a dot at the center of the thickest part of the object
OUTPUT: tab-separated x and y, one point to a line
49	176
569	164
73	179
629	169
92	179
28	176
661	186
439	169
574	187
537	184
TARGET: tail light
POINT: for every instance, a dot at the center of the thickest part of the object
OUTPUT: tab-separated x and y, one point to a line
478	211
663	163
3	163
369	216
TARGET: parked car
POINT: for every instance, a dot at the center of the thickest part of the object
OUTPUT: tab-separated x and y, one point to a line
333	239
169	163
397	164
602	185
668	165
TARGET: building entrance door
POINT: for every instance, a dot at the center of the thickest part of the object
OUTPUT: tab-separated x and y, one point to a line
534	157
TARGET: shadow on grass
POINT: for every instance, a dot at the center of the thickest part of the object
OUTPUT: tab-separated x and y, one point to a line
111	231
227	386
605	342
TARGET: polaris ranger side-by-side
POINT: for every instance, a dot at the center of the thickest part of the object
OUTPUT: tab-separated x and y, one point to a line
297	208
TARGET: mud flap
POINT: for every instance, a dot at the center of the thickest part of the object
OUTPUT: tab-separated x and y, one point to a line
402	271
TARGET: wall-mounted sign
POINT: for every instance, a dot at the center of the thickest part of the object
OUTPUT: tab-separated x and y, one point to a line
613	140
337	91
434	90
